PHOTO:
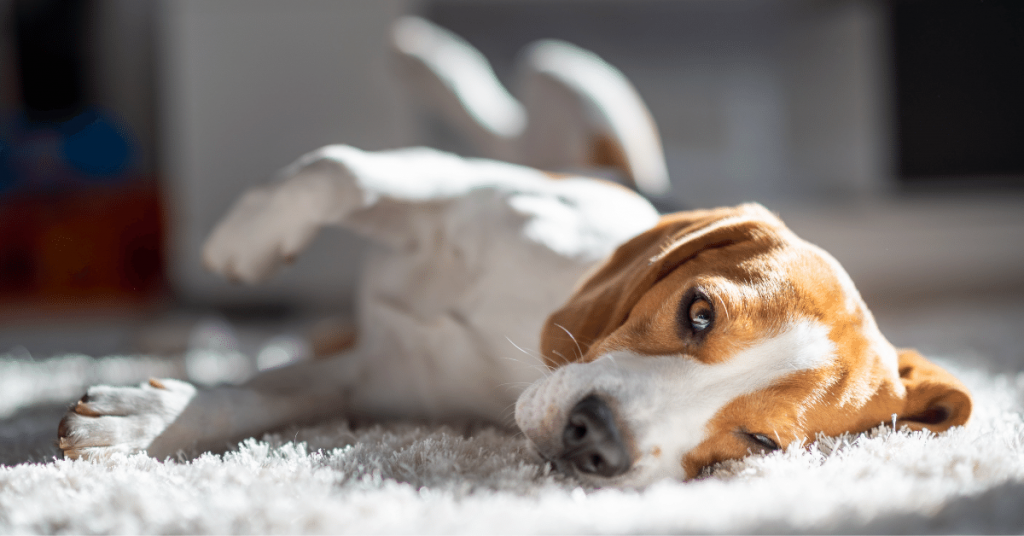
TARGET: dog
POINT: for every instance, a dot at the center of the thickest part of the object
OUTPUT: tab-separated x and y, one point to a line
633	346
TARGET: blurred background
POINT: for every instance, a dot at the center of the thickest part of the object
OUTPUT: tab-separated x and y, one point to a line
891	133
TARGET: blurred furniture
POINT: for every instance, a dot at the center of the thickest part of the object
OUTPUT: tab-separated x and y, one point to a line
81	214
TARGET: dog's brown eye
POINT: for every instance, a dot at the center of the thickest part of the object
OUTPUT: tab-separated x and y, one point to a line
695	315
701	315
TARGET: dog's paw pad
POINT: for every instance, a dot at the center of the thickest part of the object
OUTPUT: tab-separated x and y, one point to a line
121	419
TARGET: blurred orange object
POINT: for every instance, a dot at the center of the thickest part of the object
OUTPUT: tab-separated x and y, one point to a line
77	249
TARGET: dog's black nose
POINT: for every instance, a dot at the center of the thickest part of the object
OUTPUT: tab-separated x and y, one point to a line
592	441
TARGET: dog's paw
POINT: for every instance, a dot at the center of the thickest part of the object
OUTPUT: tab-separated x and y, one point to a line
266	227
273	223
121	419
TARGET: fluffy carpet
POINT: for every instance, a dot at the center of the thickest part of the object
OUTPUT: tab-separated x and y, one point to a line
405	477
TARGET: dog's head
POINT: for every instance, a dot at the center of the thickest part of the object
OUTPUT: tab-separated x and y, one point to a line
714	335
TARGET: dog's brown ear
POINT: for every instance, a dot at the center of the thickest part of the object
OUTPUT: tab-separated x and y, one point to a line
936	400
604	300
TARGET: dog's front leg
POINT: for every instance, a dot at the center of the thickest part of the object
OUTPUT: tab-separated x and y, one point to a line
373	194
164	416
271	224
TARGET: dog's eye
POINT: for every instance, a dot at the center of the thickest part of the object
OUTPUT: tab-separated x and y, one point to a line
764	441
701	314
695	315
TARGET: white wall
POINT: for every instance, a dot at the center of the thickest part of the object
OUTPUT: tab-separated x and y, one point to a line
755	99
247	86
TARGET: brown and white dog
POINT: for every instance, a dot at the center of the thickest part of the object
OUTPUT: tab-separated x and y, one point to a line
666	343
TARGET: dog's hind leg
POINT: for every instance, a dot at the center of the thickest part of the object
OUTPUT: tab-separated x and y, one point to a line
164	416
449	76
575	110
584	113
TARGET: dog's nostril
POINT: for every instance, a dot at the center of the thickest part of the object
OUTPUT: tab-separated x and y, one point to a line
591	440
576	431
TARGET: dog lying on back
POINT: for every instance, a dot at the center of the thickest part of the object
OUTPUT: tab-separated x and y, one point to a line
666	343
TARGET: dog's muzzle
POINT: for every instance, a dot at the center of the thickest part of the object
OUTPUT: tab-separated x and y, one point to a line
592	441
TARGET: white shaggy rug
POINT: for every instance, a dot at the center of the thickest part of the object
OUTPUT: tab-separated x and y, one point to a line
408	478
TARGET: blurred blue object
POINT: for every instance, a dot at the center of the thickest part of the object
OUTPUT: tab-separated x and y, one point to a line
6	173
93	146
90	148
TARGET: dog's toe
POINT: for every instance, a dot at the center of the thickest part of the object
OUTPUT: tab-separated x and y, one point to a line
121	419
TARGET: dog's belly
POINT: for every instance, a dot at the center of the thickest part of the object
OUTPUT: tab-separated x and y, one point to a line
445	337
450	319
472	360
437	368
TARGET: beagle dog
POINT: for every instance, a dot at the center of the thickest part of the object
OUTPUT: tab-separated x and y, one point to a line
633	347
666	343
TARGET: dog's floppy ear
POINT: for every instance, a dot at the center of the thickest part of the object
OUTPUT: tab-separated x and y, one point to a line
936	400
604	299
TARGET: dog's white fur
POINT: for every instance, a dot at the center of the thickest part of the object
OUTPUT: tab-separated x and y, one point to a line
471	257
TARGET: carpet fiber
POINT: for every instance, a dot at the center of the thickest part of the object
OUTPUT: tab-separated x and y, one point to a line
420	478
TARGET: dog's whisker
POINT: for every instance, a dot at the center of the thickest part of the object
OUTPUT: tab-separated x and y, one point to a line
541	369
577	343
510	385
724	308
509	416
535	355
523	350
559	354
